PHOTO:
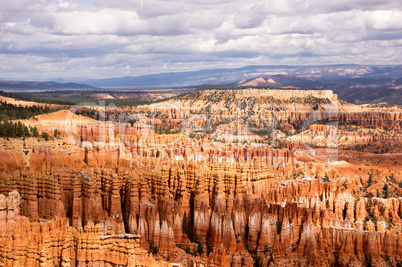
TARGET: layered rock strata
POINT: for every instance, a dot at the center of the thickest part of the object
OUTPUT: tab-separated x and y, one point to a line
53	242
235	212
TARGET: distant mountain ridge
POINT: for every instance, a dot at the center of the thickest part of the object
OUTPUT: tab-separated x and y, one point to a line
352	83
50	85
224	76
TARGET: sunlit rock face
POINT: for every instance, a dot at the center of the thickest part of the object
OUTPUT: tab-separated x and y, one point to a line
108	193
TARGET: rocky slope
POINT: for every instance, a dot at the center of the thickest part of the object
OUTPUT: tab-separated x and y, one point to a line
303	193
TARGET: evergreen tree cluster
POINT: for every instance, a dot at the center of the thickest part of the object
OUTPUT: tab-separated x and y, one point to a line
76	97
56	133
17	129
13	112
10	112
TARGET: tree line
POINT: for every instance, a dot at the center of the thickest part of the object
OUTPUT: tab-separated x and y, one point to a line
13	112
17	129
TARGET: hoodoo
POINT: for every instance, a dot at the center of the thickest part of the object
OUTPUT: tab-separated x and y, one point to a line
242	177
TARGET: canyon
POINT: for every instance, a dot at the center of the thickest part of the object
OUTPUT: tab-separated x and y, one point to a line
212	177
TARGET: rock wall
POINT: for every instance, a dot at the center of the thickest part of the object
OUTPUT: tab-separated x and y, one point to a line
108	194
53	242
243	213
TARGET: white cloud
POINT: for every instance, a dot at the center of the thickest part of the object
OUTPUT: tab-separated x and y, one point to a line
96	39
384	19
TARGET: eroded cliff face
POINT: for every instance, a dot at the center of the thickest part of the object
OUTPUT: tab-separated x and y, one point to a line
243	212
53	242
125	194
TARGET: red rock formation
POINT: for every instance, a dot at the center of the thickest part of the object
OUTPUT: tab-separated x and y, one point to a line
46	243
196	201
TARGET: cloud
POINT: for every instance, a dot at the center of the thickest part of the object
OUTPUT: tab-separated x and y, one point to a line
154	8
384	20
100	39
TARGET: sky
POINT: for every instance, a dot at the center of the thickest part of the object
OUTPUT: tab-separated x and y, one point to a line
73	40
